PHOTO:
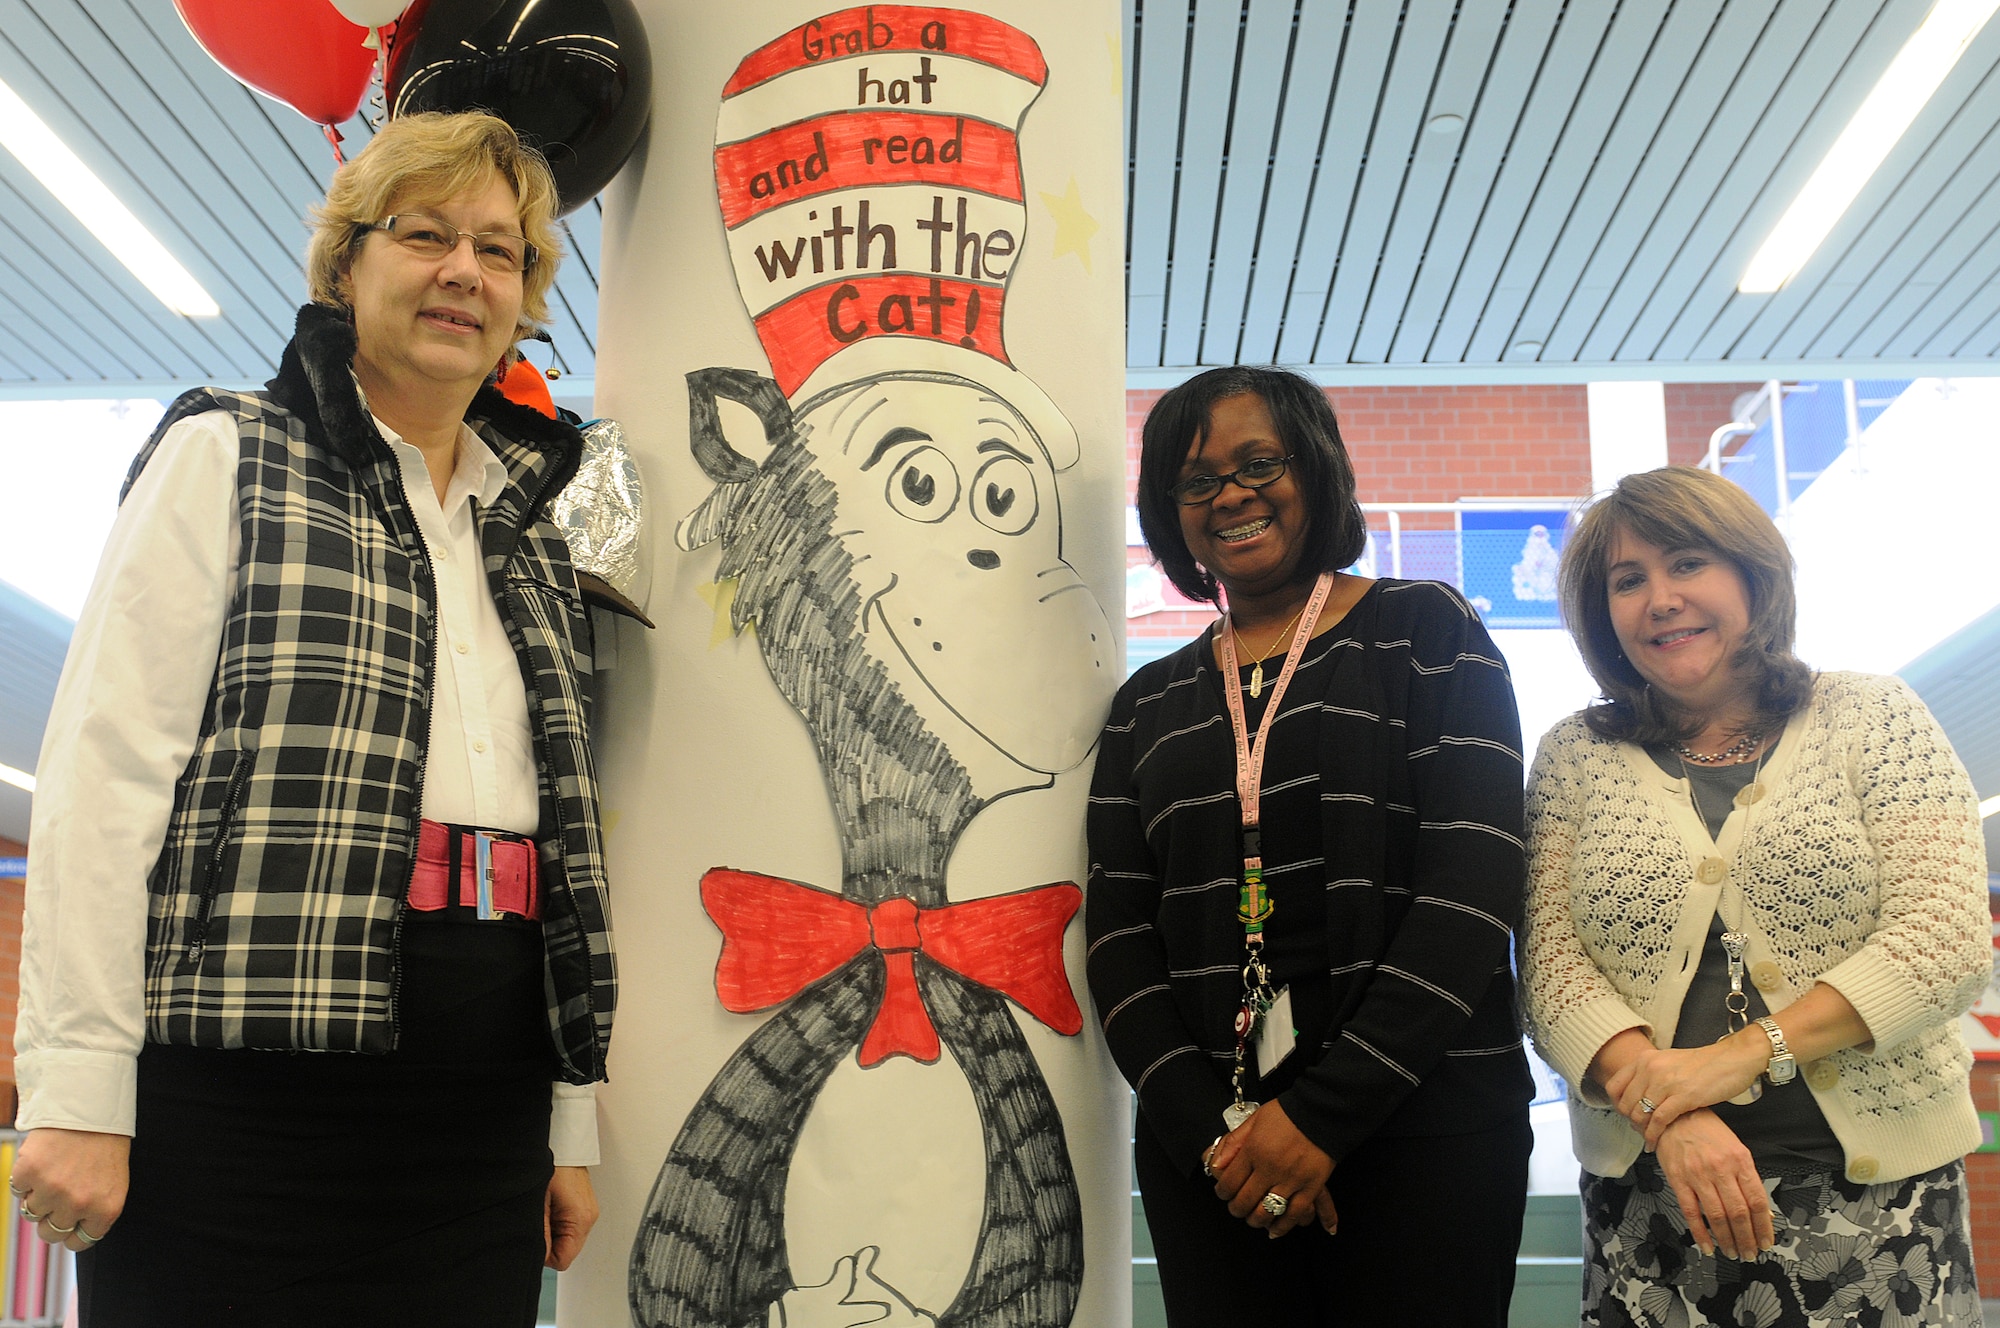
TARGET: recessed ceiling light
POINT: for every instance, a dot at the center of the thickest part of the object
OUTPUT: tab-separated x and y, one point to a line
1446	124
1887	111
77	188
20	779
1527	348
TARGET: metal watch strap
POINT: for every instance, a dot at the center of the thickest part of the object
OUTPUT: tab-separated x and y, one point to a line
1783	1064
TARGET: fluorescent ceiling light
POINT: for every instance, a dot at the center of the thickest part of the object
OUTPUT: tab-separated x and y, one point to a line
20	779
1904	88
1988	807
77	188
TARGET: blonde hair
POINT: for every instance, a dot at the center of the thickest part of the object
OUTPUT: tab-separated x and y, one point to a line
1681	507
428	158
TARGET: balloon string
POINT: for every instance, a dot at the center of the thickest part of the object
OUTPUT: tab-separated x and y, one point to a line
377	113
333	141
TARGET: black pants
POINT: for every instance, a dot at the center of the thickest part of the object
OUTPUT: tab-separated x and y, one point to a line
1429	1229
273	1189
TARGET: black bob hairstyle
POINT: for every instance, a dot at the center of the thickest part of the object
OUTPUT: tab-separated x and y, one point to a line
1336	532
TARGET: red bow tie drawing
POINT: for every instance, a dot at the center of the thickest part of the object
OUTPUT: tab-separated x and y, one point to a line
778	936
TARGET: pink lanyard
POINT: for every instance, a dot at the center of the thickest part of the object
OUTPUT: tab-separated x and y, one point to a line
1253	904
1250	756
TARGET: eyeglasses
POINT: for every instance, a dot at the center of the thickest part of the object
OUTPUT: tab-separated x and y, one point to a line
497	251
1254	474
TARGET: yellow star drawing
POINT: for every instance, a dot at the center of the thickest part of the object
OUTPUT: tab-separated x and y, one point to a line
1074	226
721	597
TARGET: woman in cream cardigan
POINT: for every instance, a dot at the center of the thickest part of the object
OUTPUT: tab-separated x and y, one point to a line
1756	909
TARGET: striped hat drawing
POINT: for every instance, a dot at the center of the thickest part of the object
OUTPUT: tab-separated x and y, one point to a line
868	169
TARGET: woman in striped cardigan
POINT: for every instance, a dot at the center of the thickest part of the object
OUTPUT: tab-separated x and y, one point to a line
1376	906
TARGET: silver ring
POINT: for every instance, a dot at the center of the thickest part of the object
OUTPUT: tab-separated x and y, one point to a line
62	1231
86	1235
1648	1106
19	1193
30	1214
1275	1204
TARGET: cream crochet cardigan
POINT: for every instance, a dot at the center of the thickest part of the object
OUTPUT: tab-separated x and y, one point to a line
1861	866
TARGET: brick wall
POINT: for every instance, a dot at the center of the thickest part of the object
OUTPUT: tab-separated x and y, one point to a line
1694	411
1982	1174
10	972
1425	444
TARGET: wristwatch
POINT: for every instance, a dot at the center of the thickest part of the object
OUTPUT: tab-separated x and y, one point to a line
1783	1064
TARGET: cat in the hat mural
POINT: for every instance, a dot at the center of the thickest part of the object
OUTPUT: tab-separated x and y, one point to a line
886	504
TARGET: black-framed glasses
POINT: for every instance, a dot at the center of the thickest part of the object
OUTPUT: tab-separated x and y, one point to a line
1252	474
497	251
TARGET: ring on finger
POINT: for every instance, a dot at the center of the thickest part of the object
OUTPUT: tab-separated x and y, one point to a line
1275	1204
1648	1106
61	1231
30	1214
19	1193
86	1235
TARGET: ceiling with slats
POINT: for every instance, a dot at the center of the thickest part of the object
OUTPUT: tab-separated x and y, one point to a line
1606	171
1381	190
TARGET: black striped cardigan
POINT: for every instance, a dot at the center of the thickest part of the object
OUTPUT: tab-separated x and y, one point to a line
1420	795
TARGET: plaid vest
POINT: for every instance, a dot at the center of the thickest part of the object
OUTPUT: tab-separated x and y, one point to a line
277	899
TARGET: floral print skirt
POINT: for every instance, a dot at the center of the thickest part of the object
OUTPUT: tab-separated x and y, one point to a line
1895	1255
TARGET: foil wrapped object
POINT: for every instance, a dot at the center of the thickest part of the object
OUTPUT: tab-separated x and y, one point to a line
602	513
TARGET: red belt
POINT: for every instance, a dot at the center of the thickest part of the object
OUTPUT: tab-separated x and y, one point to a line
497	873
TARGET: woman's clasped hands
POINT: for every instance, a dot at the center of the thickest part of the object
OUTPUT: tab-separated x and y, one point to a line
1267	1155
1666	1094
1659	1086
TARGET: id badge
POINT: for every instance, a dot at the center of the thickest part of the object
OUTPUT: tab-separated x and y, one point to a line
1275	1035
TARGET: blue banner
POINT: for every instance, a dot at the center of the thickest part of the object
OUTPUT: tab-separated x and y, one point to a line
1508	564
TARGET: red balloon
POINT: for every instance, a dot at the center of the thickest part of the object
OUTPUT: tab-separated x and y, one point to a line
303	53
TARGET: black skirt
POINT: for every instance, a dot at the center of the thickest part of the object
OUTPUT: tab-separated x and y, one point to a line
294	1189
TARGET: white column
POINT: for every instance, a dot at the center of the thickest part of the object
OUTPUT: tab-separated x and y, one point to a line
1628	430
883	529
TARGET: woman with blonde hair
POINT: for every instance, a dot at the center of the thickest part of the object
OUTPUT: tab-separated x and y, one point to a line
1756	909
316	903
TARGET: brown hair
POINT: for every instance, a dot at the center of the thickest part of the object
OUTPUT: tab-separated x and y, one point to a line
427	158
1681	507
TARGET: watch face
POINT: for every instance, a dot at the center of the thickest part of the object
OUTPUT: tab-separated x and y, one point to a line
1782	1069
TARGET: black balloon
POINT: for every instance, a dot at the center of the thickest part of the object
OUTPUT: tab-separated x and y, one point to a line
574	77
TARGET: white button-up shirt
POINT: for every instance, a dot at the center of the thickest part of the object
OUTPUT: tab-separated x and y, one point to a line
127	715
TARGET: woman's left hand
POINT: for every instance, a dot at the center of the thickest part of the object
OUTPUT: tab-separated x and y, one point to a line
1678	1080
1267	1155
568	1215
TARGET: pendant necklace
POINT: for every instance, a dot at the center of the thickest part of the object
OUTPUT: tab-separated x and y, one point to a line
1257	665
